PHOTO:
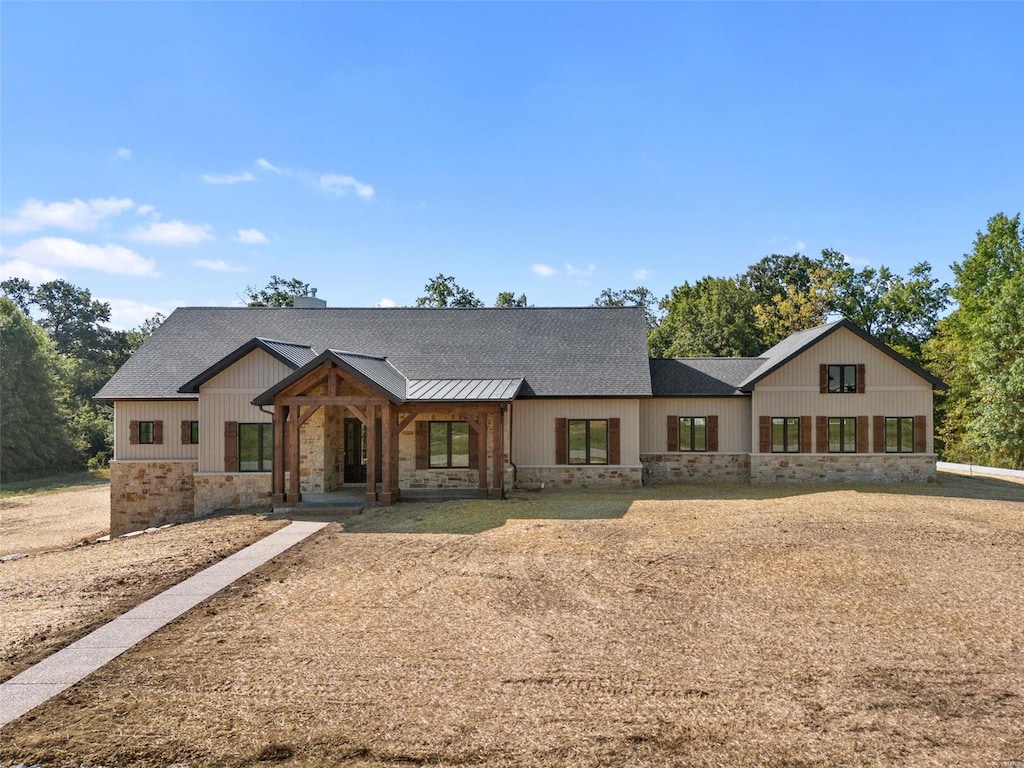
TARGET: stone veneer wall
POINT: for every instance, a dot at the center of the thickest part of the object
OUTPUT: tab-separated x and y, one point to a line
846	467
576	476
668	468
231	490
149	493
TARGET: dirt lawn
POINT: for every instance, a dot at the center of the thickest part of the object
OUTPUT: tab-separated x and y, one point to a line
791	626
43	521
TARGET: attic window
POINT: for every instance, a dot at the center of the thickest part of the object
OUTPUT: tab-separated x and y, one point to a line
842	379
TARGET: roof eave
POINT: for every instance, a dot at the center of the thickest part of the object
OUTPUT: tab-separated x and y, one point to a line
192	385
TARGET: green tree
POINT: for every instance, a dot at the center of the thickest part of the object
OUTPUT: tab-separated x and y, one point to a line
20	291
712	317
277	293
632	297
442	291
34	437
508	300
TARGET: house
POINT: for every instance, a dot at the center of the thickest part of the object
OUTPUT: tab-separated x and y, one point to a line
231	407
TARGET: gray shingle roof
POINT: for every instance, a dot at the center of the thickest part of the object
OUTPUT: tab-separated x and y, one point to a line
560	352
292	355
700	376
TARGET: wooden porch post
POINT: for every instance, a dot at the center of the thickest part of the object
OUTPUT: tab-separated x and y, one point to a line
481	452
498	449
277	465
371	452
294	496
389	440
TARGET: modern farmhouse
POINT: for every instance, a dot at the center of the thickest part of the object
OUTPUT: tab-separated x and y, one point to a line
231	407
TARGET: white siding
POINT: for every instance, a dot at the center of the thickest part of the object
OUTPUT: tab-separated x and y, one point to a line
170	412
533	427
733	421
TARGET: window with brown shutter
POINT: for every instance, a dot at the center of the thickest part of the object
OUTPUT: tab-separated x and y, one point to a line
561	441
805	434
920	434
823	379
230	446
862	434
133	432
821	435
878	434
712	433
186	432
614	455
672	437
860	378
764	432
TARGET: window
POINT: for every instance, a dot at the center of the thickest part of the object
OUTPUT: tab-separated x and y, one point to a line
842	379
588	441
786	434
693	433
193	432
255	447
842	434
449	444
147	432
899	434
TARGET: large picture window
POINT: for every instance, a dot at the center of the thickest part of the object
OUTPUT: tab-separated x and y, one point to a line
255	447
786	434
842	434
842	379
449	444
693	433
588	441
899	434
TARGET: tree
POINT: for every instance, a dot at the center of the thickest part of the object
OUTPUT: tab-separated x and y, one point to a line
632	297
712	317
33	418
136	336
508	300
277	293
792	293
442	291
20	291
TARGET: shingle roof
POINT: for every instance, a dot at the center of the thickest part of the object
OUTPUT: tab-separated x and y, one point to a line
700	376
375	371
292	355
559	352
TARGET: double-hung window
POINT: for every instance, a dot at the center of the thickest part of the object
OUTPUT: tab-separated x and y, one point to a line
899	434
449	444
786	434
255	447
693	433
842	434
588	441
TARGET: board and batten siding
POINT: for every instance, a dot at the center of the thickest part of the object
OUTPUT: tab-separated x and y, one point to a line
228	397
533	427
891	389
171	413
733	421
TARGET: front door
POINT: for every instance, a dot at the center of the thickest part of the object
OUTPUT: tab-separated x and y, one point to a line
355	451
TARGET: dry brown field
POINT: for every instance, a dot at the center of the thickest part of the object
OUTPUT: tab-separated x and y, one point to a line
698	626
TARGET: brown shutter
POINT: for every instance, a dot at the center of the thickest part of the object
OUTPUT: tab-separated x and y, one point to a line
823	379
672	443
712	434
860	378
614	454
920	434
561	442
822	435
474	445
158	433
230	446
765	434
186	432
423	444
805	434
862	434
133	432
879	434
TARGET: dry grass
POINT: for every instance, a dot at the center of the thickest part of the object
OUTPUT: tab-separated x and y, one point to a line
732	626
54	520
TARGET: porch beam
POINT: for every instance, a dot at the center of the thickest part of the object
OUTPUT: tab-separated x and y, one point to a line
309	412
498	449
277	465
294	496
389	452
310	400
371	453
481	453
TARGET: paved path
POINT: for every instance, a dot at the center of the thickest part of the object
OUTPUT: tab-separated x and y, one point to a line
80	659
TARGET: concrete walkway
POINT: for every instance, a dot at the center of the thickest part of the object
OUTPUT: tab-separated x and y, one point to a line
80	659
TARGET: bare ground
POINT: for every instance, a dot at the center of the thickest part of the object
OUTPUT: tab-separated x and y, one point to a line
731	626
45	521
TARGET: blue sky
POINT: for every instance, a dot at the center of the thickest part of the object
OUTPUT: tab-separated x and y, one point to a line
165	154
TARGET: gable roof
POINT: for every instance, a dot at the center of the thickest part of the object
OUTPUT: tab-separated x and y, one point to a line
558	352
292	355
799	342
375	372
701	376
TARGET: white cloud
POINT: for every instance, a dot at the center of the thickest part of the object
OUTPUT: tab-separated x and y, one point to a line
218	266
124	154
64	252
641	274
148	211
856	261
77	215
587	271
385	303
801	246
542	269
251	236
266	165
340	185
228	178
127	313
31	272
171	233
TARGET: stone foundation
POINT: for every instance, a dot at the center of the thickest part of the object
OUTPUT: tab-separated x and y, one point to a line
842	468
588	476
670	468
144	494
231	490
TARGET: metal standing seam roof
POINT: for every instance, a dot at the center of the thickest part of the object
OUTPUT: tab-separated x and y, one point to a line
478	390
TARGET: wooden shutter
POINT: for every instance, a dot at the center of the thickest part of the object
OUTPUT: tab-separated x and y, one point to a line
474	445
230	446
614	453
561	442
712	434
765	434
862	434
805	434
920	434
158	433
133	432
821	438
879	434
823	379
423	444
860	378
186	432
672	437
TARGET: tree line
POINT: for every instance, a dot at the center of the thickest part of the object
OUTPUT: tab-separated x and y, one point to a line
54	364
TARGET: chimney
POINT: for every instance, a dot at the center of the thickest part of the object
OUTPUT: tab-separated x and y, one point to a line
308	302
